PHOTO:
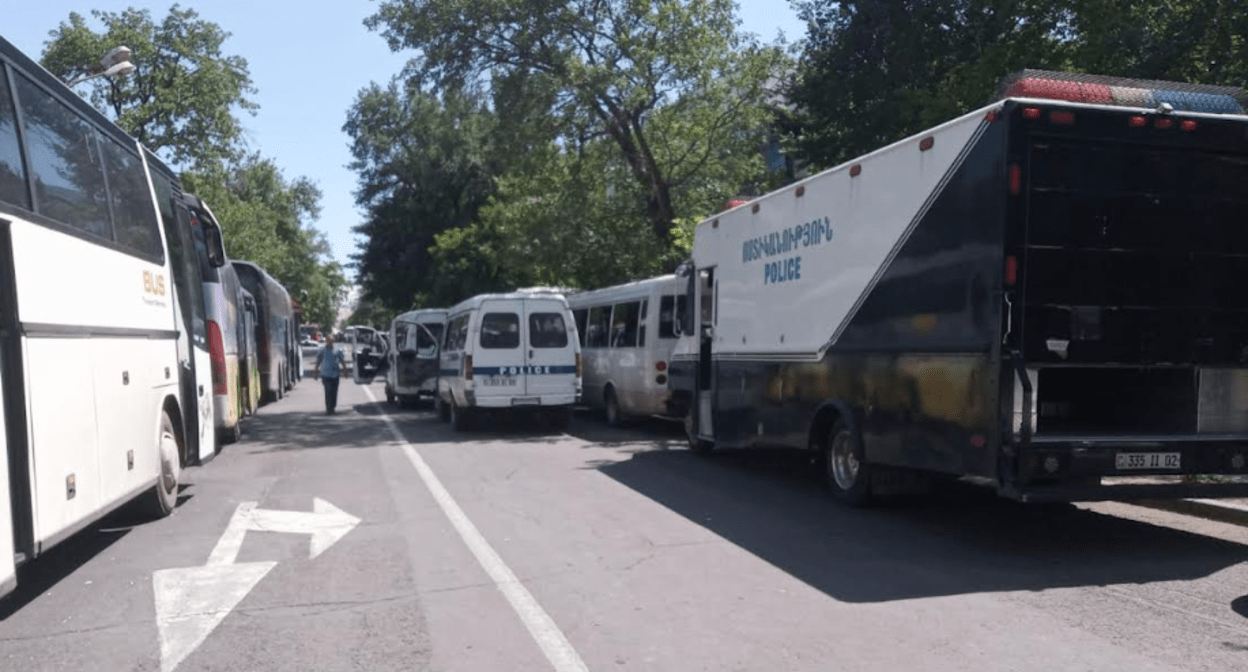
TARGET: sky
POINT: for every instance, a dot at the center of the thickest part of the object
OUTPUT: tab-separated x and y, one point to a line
308	59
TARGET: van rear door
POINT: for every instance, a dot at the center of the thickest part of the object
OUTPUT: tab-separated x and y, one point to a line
498	358
550	352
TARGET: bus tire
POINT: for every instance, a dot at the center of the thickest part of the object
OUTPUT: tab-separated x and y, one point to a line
460	420
697	445
611	406
164	496
847	477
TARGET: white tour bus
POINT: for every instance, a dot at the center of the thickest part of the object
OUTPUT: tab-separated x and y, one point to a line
411	362
91	327
628	333
509	351
221	292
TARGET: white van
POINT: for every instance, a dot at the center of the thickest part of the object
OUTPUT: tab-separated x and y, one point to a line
412	360
509	351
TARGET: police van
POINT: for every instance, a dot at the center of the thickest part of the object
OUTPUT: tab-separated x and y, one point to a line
411	363
516	351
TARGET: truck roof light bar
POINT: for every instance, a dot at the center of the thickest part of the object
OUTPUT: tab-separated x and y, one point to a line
1121	91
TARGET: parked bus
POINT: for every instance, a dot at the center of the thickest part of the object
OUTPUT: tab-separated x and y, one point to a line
275	325
1041	296
628	333
411	367
248	357
93	321
220	295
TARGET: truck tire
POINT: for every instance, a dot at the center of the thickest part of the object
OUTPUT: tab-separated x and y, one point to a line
847	477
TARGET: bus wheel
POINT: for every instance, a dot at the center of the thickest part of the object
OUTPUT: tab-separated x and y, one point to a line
847	477
612	405
696	444
165	494
459	417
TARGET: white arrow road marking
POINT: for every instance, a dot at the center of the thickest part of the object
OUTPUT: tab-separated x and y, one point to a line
192	601
327	523
551	640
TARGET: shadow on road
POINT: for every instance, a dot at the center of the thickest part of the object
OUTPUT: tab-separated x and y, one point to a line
957	542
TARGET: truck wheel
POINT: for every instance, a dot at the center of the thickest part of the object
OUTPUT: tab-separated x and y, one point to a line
164	496
847	477
459	418
612	405
700	446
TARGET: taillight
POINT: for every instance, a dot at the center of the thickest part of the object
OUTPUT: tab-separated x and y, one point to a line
467	367
578	365
1187	125
1011	270
1062	117
1137	121
1016	179
1163	122
1031	113
660	366
216	350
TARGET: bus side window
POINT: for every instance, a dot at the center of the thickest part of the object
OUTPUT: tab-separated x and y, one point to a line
12	170
641	323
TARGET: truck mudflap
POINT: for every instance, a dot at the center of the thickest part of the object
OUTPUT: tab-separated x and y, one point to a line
1125	468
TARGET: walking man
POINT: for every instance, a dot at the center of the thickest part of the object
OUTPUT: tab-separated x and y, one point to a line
328	368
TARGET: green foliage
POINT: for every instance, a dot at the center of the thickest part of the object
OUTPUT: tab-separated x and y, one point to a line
265	220
875	71
640	72
181	98
598	133
426	165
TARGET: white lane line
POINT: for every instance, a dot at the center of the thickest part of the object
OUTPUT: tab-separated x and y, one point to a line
549	637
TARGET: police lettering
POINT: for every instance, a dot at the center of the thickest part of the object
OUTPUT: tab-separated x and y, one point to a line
785	270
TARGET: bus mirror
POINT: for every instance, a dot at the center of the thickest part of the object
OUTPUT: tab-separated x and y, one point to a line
216	246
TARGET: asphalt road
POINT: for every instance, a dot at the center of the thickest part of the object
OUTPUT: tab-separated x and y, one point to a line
518	548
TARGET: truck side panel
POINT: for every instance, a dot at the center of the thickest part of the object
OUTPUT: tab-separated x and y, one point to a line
916	360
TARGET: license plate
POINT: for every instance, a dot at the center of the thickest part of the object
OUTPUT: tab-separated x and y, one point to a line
526	401
1147	461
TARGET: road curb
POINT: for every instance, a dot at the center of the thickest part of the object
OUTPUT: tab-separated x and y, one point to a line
1211	509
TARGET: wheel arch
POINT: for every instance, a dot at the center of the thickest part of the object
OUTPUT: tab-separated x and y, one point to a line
826	415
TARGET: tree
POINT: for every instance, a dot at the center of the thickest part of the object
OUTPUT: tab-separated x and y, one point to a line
181	99
426	164
612	66
265	219
875	71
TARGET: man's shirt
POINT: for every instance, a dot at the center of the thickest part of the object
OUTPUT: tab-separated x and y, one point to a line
330	362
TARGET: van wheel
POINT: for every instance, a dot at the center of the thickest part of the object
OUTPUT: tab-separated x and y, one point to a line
460	419
164	495
389	395
614	417
847	477
697	445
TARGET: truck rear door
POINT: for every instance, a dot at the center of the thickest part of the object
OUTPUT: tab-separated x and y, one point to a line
551	345
1134	277
498	358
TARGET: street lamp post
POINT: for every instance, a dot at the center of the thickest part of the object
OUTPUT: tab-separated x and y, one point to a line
115	63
